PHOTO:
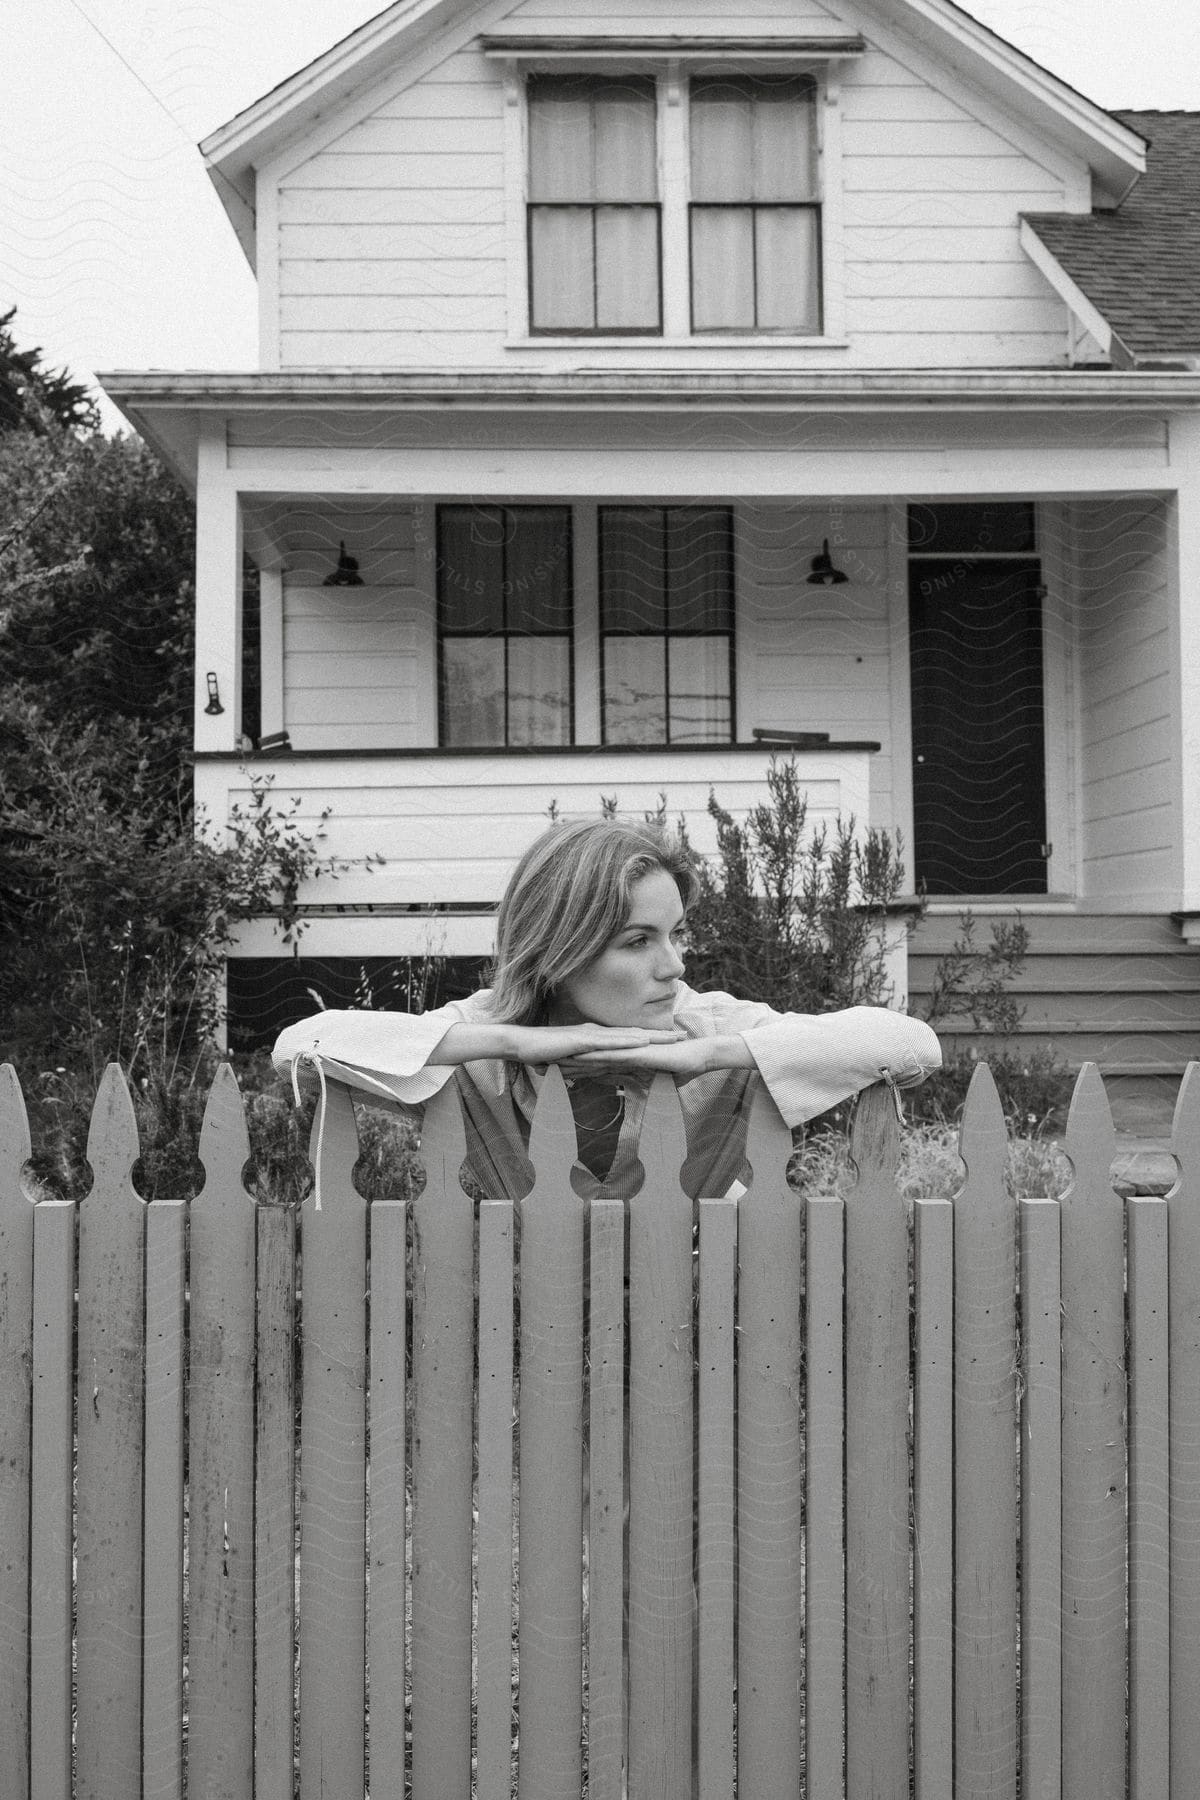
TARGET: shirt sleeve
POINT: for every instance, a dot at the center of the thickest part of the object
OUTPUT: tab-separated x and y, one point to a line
812	1061
382	1053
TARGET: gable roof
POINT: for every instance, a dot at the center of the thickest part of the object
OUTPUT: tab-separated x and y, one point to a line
373	52
1139	264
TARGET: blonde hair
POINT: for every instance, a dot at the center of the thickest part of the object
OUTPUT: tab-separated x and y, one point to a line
566	900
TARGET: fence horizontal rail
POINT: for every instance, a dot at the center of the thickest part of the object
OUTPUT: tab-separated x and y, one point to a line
768	1493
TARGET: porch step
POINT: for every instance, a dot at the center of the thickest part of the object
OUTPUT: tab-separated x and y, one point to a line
1119	990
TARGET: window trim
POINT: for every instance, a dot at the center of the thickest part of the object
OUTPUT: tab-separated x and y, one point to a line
442	634
522	58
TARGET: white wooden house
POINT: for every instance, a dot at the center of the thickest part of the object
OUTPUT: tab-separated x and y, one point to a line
592	336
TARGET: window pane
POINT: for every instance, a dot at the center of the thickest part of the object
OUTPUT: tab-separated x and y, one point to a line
972	528
699	711
560	137
635	690
472	691
626	150
784	163
538	568
721	139
539	701
722	268
470	568
561	282
700	569
787	268
627	267
632	565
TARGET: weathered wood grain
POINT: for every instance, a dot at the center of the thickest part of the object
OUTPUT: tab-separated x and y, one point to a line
494	1530
221	1455
551	1471
716	1562
1093	1465
1149	1502
275	1507
933	1499
333	1465
660	1460
770	1463
16	1355
606	1499
877	1576
443	1264
53	1469
1183	1248
824	1537
1041	1499
985	1451
386	1575
162	1627
110	1376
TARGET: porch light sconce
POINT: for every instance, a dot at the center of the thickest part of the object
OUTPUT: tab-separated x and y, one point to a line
346	574
214	693
823	572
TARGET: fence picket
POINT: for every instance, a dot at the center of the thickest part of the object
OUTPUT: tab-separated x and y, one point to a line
494	1534
1149	1504
1093	1470
52	1462
770	1465
551	1474
221	1456
388	1500
1183	1236
985	1472
877	1582
275	1507
824	1498
162	1655
111	1368
16	1329
443	1265
606	1500
333	1466
933	1499
715	1559
660	1460
1041	1500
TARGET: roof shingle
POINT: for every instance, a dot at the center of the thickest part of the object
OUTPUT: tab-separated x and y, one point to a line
1139	265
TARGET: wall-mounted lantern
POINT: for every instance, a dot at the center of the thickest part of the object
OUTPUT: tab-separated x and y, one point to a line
823	572
346	574
214	693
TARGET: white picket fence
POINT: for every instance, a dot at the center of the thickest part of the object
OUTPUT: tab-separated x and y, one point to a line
795	1515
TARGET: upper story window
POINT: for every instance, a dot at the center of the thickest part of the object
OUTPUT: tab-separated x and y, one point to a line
754	215
594	228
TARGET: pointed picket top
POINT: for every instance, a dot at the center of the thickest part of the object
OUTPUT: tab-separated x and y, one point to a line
224	1145
443	1141
768	1140
662	1146
1185	1131
982	1139
112	1146
1091	1139
552	1148
15	1143
874	1144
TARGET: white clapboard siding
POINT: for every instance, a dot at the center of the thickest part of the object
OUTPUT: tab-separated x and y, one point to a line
1124	659
429	158
357	668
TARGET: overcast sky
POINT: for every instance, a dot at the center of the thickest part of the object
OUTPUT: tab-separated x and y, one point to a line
113	245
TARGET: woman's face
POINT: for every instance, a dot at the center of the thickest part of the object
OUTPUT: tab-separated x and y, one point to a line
635	978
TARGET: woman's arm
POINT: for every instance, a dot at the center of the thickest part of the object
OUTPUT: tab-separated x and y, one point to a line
476	1041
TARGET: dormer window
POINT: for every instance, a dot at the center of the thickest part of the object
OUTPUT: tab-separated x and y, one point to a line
594	232
754	212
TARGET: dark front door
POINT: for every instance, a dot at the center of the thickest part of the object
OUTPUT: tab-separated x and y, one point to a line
978	731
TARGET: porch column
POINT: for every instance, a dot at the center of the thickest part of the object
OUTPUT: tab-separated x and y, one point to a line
1185	569
218	596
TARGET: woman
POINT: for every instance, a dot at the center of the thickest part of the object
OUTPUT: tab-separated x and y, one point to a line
589	975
